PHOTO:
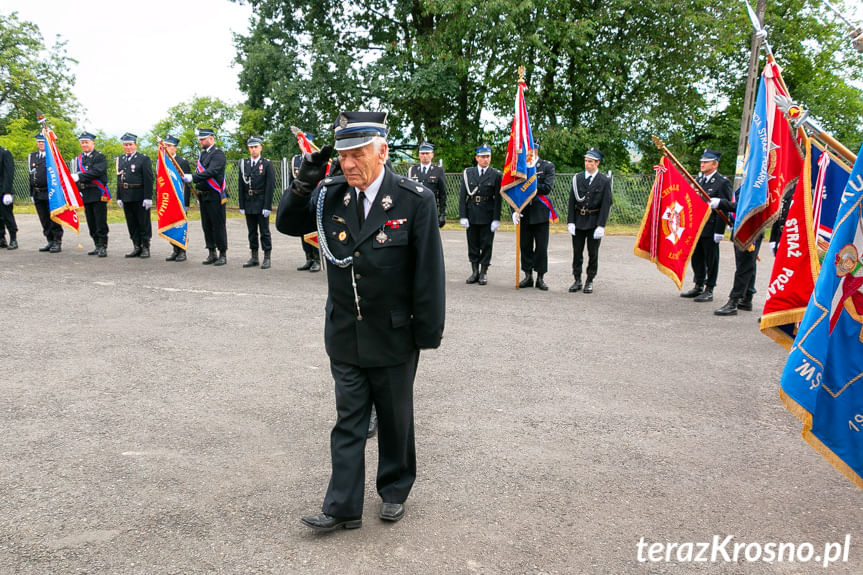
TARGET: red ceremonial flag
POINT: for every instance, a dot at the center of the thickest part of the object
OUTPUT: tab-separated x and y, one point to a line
64	199
306	147
672	222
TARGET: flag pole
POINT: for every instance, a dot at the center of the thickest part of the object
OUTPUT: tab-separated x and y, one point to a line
661	145
518	225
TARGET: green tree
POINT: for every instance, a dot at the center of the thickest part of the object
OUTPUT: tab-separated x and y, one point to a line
183	120
20	137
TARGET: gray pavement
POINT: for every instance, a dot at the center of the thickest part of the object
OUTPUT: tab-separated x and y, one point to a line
174	418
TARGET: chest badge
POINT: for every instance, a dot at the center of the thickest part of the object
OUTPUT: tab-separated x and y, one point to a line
382	237
260	168
387	202
347	199
343	235
132	167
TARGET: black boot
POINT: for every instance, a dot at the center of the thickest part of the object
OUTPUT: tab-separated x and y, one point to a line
145	250
13	244
305	266
265	265
47	247
253	260
472	278
135	252
56	247
94	251
527	281
103	251
221	260
181	255
730	308
483	270
540	283
173	256
316	266
3	243
746	303
576	285
211	258
706	295
588	285
694	292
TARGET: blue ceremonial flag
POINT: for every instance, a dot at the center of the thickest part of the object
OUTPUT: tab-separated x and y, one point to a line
823	378
518	182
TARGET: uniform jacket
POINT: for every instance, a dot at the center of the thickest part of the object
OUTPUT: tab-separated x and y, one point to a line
97	169
718	186
398	265
38	176
256	190
487	189
592	211
536	212
134	178
435	180
187	188
213	161
7	171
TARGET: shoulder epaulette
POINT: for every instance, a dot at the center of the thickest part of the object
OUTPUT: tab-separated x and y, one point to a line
412	185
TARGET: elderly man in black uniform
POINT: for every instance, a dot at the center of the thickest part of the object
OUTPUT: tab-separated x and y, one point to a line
92	178
52	231
135	194
705	255
431	176
479	212
257	180
385	303
534	219
313	255
589	206
171	143
7	215
209	180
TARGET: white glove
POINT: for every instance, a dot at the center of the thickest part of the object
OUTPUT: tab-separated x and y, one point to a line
773	247
714	203
495	225
75	177
598	232
266	213
242	212
7	199
718	237
762	34
119	203
516	217
32	200
464	223
187	178
148	204
571	229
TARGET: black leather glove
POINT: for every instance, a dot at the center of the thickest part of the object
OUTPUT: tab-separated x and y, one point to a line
312	170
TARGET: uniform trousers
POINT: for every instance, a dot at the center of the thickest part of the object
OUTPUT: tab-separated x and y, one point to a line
97	221
7	221
213	223
705	262
390	389
744	272
480	240
309	250
578	240
52	231
258	223
138	222
534	247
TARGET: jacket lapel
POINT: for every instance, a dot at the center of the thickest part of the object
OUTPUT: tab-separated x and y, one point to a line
377	215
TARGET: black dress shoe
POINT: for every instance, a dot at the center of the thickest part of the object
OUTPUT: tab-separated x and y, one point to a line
305	266
46	247
94	251
526	282
316	266
181	256
540	283
392	511
134	253
103	252
588	286
56	248
173	256
745	305
576	286
730	307
221	260
706	295
145	252
694	292
325	523
13	245
211	258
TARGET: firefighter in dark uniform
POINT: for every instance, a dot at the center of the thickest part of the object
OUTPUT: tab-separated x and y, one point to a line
479	203
705	255
52	231
257	180
209	180
745	261
386	291
135	194
7	198
92	178
589	206
171	143
313	255
431	176
534	219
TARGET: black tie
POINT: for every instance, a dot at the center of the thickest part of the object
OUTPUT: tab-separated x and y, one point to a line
589	180
361	208
481	172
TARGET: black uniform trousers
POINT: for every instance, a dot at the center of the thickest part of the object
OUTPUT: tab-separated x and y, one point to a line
534	247
52	231
213	223
480	240
97	222
578	241
705	262
7	221
259	223
390	389
310	251
744	272
138	222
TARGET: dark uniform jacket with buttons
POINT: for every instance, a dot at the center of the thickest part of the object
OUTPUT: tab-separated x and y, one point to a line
435	180
592	209
480	200
38	176
7	171
187	188
213	161
256	189
536	212
717	186
397	262
97	169
134	178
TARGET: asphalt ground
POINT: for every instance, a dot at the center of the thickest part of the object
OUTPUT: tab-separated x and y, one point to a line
174	418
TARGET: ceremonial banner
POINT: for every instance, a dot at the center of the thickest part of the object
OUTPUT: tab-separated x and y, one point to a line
311	238
772	165
63	197
672	222
518	184
171	212
306	147
822	383
797	262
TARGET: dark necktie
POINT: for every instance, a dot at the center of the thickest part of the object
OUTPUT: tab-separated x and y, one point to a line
361	208
589	180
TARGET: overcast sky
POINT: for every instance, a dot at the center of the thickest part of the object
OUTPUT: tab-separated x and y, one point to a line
117	45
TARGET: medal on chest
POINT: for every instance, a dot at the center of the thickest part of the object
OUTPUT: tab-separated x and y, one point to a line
132	167
387	202
382	237
347	199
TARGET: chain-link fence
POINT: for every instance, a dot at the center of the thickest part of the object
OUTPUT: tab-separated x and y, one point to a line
630	191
